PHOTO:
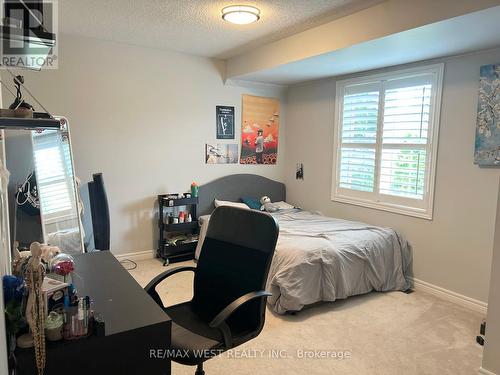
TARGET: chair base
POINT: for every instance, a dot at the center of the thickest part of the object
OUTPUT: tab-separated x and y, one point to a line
199	370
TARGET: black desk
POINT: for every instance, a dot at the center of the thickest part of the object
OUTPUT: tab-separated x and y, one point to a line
135	326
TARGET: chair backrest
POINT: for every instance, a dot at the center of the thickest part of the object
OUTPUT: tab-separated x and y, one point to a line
235	260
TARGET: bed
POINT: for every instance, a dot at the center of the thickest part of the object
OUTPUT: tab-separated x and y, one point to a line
317	258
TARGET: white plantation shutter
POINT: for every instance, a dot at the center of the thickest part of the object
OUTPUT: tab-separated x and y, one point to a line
53	174
402	173
359	137
386	140
357	168
407	105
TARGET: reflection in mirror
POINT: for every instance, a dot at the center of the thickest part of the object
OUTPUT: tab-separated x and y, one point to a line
24	204
57	190
42	192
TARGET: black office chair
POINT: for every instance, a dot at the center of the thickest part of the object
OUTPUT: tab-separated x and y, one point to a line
229	302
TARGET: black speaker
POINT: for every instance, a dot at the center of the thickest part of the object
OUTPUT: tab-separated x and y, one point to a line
100	212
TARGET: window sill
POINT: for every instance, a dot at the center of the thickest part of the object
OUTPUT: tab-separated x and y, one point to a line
388	207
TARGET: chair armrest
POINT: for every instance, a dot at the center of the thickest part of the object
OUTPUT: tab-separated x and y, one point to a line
235	305
162	276
151	287
220	320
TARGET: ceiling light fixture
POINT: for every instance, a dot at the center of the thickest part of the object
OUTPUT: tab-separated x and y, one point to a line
240	14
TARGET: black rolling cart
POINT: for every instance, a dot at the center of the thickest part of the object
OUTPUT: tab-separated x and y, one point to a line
177	241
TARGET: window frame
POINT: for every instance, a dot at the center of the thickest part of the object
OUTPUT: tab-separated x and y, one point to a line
401	205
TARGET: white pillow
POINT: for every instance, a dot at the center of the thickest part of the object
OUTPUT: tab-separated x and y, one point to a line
283	205
219	203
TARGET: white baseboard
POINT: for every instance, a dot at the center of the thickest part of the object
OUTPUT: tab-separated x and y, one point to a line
485	372
459	299
140	255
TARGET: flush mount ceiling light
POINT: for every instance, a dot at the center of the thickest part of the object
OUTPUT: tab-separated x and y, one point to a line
240	14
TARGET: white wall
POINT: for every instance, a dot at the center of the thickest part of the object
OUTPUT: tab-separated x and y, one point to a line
491	360
142	117
454	250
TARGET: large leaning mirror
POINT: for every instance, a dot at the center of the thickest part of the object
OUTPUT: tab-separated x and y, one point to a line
42	191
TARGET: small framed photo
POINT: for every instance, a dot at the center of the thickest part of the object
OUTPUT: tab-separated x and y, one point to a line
225	122
225	153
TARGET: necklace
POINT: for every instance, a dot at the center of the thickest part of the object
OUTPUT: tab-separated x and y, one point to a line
35	309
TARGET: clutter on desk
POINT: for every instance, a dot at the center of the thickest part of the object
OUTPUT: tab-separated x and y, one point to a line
79	319
33	275
62	265
38	307
54	293
54	326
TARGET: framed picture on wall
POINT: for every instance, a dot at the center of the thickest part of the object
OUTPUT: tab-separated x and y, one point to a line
226	153
225	122
487	152
260	122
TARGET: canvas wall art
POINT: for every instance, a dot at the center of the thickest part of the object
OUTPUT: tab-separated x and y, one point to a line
487	147
225	122
260	121
221	153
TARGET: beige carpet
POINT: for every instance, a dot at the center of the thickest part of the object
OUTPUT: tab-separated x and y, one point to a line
385	333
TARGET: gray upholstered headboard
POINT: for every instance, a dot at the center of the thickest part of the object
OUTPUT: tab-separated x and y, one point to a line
233	187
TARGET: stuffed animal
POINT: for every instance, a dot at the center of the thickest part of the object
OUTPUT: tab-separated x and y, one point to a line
47	253
267	206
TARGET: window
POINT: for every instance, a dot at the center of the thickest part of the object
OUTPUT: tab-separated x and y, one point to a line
54	174
385	143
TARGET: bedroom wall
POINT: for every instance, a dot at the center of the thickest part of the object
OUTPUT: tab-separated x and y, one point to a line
491	360
142	117
454	250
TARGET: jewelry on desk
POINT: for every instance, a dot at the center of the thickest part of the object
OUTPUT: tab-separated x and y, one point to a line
35	307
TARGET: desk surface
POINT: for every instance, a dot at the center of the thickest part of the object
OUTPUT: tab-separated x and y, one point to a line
118	298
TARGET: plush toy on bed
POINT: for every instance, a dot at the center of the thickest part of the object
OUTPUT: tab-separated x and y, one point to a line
267	206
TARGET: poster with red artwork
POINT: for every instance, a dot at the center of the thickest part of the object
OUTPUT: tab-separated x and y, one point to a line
260	122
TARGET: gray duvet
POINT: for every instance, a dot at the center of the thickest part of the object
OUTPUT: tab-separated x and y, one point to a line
320	258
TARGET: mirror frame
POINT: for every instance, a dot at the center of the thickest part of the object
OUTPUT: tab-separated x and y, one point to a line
5	246
66	128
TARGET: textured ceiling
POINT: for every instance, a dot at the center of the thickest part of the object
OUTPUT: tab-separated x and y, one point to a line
195	26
